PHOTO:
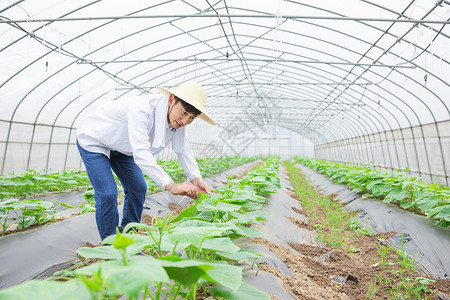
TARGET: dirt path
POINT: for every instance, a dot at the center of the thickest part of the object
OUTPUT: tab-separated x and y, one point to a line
364	269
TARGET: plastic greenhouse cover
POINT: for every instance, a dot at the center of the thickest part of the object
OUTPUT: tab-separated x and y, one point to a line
429	244
38	253
51	81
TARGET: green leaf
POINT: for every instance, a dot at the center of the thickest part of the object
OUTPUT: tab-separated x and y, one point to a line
39	203
220	244
258	179
94	283
194	235
224	274
108	252
15	204
186	272
366	196
245	292
251	232
375	182
186	213
443	223
406	204
221	206
397	195
201	197
427	203
102	252
25	223
46	290
131	279
87	208
135	225
122	241
440	212
241	255
257	215
64	204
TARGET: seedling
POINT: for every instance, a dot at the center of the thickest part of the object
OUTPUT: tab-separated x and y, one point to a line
194	233
383	251
407	261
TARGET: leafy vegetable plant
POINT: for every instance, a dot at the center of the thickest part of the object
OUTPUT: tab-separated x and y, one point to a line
409	193
29	212
195	249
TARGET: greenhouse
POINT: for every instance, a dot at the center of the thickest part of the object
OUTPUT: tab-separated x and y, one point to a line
269	149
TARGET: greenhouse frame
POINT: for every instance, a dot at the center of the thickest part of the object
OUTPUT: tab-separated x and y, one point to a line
362	84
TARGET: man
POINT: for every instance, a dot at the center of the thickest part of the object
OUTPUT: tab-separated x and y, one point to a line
124	136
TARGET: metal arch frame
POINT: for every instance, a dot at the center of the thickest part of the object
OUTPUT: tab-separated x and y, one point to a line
437	130
389	101
440	144
336	134
11	122
372	155
201	60
9	129
353	104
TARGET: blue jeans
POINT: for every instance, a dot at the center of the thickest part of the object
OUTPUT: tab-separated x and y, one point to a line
99	169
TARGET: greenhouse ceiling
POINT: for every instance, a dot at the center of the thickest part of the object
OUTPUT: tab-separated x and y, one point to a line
325	70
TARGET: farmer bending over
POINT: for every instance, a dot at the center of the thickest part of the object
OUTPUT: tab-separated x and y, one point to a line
125	135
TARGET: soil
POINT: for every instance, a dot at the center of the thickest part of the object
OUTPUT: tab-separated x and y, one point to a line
316	270
332	273
324	272
146	219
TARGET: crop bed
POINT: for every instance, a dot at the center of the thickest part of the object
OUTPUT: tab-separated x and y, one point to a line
270	234
185	253
18	213
431	200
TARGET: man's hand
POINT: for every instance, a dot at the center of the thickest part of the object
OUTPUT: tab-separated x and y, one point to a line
201	185
185	189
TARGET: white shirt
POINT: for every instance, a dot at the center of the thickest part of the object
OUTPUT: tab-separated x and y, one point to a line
137	127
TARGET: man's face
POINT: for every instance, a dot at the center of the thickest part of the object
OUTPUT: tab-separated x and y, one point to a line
177	115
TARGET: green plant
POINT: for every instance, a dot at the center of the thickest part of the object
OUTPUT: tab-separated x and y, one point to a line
355	225
372	290
408	287
396	187
383	251
205	232
35	211
29	212
406	261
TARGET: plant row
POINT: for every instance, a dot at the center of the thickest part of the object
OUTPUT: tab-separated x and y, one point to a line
33	182
191	254
396	273
207	167
397	187
38	211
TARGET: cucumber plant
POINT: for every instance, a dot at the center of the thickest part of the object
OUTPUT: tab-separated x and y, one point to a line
407	192
194	249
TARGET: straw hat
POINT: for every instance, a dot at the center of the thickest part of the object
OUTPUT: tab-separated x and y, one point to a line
193	93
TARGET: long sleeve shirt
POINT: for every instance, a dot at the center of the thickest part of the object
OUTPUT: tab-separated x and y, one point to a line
138	127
